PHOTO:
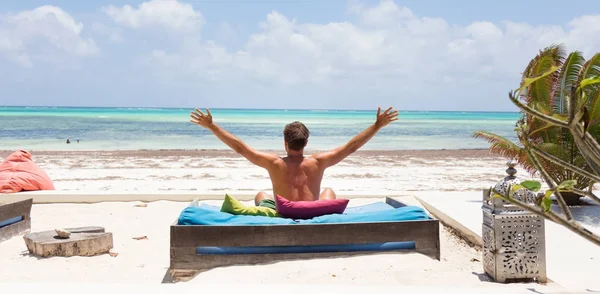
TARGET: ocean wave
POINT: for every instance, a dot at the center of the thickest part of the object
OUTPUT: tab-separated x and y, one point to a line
141	108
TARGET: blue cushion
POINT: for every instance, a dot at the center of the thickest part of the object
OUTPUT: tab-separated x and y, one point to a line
405	213
10	221
210	207
377	206
211	250
206	215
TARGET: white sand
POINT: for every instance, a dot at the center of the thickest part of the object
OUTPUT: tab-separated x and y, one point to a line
147	261
226	172
97	288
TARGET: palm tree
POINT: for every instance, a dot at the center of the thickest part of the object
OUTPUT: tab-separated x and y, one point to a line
548	95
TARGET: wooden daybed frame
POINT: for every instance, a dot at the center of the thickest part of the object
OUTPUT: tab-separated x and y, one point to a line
15	209
184	261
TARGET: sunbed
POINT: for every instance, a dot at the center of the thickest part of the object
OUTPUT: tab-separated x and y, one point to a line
15	218
223	239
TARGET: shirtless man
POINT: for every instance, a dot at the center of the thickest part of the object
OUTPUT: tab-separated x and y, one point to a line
295	177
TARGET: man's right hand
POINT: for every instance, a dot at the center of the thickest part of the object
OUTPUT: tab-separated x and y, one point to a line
201	119
383	119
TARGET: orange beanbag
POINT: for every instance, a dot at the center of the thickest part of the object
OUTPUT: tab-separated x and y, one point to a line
19	173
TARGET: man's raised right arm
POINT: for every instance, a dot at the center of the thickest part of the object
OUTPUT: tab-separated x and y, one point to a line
333	157
262	159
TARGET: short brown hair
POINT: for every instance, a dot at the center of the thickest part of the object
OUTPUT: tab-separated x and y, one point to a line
296	135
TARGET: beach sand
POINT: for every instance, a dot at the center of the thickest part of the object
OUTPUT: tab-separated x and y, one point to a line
363	173
146	261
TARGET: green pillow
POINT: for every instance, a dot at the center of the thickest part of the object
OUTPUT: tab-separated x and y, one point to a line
233	206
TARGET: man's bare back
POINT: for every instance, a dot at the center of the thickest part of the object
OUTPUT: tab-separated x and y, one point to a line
296	177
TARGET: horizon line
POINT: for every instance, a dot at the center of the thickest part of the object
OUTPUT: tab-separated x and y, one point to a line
225	108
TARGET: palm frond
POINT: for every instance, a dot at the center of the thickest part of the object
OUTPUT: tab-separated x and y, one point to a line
539	95
569	73
501	146
555	50
551	55
539	126
594	106
590	68
540	129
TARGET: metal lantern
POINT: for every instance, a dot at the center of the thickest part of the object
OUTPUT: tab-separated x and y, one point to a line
514	245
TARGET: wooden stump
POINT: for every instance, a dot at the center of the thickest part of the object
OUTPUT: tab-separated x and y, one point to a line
84	241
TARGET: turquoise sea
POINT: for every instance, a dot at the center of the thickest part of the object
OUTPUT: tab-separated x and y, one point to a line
48	128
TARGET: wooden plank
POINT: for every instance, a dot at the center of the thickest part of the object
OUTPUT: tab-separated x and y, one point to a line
185	258
426	242
12	210
464	232
16	209
300	235
430	246
395	203
20	228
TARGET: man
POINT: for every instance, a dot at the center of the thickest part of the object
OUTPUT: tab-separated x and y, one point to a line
295	177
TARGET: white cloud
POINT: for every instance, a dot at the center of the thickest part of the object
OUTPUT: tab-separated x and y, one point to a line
25	36
384	52
226	32
386	13
389	42
584	33
157	13
113	34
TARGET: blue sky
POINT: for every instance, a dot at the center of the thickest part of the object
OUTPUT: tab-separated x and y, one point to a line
413	55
